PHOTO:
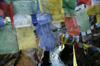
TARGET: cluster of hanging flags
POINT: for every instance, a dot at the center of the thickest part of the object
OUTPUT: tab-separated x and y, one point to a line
25	14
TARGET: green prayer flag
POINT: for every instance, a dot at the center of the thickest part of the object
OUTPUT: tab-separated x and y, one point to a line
25	7
9	1
8	40
83	20
69	6
80	44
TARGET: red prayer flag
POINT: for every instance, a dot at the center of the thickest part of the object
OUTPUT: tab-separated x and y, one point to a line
76	45
1	12
8	9
36	58
87	2
72	26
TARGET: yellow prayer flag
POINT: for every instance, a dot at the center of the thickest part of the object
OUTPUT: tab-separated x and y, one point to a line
61	41
74	57
43	4
65	40
26	38
54	0
62	38
51	6
98	18
90	11
86	46
54	7
97	8
58	18
62	46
